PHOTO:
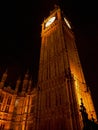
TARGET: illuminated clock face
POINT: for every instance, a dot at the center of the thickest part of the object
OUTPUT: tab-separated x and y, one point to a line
50	21
66	21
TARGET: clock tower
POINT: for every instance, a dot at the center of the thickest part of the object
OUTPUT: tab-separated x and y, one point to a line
61	83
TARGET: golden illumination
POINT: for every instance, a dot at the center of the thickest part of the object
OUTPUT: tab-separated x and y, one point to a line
50	21
67	22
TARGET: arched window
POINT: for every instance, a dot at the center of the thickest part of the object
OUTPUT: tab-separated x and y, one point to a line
33	101
9	100
7	109
1	98
2	127
32	109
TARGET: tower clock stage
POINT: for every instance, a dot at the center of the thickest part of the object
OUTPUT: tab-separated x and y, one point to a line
61	83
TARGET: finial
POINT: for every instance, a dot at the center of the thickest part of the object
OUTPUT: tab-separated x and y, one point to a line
30	84
18	84
3	79
26	74
25	81
55	6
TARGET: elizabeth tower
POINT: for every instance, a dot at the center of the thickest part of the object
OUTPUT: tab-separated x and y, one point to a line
61	84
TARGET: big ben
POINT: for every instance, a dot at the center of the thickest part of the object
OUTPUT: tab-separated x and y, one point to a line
62	88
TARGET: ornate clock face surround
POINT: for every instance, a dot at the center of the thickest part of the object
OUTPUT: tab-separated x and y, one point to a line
53	18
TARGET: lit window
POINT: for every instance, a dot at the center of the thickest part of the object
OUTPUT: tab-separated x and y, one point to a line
9	100
1	98
7	109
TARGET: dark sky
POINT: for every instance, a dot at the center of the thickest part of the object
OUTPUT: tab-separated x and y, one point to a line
20	36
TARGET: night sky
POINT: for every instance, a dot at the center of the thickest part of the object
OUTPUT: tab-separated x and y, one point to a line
20	37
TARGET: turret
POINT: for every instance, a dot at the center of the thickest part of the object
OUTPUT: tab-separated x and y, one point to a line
29	85
17	84
25	82
4	77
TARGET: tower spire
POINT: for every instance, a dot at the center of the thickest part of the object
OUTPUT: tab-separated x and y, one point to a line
4	77
29	85
17	84
25	82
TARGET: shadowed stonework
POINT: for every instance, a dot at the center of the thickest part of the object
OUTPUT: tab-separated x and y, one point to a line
60	100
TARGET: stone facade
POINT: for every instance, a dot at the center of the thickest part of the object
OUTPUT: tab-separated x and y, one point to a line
54	103
17	109
61	80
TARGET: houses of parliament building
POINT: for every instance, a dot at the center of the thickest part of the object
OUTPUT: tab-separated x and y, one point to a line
60	100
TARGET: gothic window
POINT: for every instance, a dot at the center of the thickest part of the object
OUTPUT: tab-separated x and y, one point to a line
56	100
2	127
9	100
7	109
0	107
60	98
30	127
49	125
46	101
20	127
33	101
1	98
32	109
49	100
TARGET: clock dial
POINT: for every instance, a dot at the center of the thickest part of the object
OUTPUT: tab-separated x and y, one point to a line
50	21
66	21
